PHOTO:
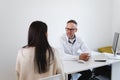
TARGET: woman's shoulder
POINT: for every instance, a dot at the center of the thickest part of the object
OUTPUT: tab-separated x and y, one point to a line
54	49
26	51
56	53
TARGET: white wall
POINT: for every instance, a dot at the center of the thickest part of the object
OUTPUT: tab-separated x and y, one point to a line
94	19
116	18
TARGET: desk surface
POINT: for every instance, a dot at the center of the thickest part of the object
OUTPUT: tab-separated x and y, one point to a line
72	66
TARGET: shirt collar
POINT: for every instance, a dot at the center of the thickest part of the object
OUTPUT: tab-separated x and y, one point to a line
72	41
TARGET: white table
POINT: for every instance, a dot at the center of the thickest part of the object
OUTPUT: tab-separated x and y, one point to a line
72	66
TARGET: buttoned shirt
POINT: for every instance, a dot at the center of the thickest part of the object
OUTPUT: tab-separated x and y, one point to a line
75	46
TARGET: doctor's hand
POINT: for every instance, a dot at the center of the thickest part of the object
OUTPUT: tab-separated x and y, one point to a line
84	56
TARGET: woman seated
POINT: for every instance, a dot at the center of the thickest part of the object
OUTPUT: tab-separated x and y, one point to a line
37	59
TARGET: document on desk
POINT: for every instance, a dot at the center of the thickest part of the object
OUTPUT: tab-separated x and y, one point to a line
68	57
100	58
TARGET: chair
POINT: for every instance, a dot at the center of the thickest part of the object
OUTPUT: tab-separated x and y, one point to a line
55	77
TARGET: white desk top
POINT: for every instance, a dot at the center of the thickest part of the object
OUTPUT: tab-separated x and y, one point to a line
72	66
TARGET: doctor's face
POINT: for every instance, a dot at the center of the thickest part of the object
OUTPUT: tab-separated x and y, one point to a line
71	28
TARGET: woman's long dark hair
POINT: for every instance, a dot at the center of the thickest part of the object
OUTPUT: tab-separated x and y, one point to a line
37	37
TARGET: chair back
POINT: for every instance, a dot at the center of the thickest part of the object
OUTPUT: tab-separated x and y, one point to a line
55	77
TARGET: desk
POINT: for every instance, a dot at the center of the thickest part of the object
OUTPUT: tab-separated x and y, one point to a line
72	66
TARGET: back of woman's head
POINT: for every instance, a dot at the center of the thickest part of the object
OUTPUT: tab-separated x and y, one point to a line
37	33
37	37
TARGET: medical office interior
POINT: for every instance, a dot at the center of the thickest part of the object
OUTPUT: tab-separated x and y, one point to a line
97	22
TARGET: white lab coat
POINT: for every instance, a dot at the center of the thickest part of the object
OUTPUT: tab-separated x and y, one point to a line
75	49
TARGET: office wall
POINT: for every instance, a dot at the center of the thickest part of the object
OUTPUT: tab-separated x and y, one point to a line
94	19
116	18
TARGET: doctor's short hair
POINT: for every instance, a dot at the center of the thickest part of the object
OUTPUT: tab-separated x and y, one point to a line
72	21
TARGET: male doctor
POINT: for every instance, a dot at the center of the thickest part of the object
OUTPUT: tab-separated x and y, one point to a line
71	44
